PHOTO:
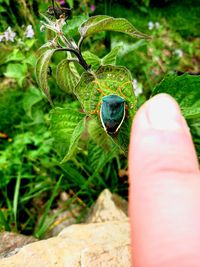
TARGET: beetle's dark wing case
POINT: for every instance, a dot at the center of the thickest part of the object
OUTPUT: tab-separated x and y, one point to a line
112	113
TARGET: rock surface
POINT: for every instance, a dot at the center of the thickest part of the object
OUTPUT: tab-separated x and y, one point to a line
10	243
95	244
108	207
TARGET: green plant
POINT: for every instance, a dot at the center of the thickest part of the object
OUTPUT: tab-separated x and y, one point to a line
100	78
42	154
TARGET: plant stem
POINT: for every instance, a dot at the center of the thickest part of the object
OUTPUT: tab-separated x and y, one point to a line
80	43
77	52
72	47
82	61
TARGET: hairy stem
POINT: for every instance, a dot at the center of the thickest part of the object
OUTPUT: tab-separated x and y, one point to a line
78	54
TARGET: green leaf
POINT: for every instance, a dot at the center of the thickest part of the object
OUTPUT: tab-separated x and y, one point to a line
127	47
72	25
185	89
78	130
31	97
31	60
92	59
194	125
5	2
67	76
2	9
16	55
50	45
99	136
41	70
110	58
98	157
71	3
5	53
105	23
17	71
95	61
102	149
108	80
30	42
67	126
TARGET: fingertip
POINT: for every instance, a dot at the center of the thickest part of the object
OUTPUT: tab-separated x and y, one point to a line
164	186
160	135
161	113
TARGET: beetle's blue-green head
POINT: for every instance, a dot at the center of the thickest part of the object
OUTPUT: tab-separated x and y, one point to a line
112	113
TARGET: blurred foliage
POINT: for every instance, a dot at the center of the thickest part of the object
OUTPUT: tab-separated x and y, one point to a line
31	176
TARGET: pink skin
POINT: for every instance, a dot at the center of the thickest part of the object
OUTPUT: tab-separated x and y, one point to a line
164	196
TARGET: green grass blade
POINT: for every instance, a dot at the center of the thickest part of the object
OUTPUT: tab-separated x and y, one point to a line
41	229
16	197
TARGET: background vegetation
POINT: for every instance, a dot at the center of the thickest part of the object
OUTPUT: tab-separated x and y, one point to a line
32	179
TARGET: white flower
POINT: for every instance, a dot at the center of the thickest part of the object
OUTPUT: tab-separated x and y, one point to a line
178	53
9	34
1	37
150	25
137	87
29	32
134	83
157	25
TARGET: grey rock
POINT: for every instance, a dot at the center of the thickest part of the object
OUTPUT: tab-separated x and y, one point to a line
10	243
82	245
108	207
103	241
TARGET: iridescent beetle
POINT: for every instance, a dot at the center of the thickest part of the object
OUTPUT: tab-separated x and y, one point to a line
112	113
112	110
